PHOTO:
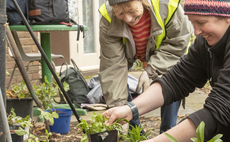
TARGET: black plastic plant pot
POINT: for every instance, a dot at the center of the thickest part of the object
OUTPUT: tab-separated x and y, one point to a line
22	107
108	136
14	136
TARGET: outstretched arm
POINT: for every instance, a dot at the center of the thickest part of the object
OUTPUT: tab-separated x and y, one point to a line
151	99
182	132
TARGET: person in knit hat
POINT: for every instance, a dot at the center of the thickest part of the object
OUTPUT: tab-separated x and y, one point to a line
155	32
207	59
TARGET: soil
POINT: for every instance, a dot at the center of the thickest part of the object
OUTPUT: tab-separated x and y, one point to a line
75	133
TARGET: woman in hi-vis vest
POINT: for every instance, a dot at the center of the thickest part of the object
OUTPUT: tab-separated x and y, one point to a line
154	31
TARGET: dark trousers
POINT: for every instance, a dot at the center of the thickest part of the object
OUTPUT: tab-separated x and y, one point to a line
169	116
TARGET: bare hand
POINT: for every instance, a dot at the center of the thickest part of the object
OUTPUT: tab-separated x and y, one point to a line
118	113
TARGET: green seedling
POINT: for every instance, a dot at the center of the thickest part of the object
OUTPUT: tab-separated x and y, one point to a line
135	135
98	124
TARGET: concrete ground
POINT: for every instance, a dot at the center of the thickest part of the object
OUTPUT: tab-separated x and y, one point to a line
194	102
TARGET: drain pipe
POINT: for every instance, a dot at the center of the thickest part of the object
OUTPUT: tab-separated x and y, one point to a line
2	61
4	118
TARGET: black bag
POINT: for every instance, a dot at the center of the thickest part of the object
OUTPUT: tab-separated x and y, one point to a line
13	18
42	12
78	88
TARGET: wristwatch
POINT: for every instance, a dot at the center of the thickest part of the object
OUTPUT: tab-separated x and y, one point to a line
134	109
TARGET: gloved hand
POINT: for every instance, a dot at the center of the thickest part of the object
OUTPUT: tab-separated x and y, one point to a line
143	81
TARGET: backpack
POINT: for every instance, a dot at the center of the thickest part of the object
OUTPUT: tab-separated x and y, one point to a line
42	12
78	87
13	18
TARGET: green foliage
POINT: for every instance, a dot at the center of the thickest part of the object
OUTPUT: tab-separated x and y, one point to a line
135	135
48	115
19	90
46	91
13	119
199	135
98	124
25	122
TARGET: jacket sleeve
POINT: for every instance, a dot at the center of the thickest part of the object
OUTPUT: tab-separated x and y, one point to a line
113	71
189	73
178	33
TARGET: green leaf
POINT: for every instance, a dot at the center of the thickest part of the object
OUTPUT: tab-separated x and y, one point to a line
84	138
194	139
171	138
216	138
55	115
200	132
20	131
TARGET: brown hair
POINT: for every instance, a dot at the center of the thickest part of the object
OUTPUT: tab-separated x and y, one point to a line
124	5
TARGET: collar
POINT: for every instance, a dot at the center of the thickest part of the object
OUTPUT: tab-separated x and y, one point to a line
219	47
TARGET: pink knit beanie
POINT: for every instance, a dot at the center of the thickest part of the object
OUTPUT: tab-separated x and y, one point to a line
207	7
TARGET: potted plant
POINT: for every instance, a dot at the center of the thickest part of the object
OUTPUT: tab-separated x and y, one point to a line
20	99
98	131
16	123
20	127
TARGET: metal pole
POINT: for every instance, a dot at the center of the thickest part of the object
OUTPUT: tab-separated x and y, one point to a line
2	60
4	118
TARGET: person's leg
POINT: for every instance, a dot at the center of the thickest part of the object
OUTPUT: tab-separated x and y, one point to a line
169	116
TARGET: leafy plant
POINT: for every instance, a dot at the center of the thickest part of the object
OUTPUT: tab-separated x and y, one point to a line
97	125
135	135
19	90
46	91
199	135
13	119
26	122
48	115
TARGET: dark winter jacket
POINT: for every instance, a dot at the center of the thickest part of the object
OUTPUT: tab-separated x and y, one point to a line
202	63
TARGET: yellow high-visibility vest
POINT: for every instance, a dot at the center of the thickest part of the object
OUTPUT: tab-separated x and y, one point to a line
172	6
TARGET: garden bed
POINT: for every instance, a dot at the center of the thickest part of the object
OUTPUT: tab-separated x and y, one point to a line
75	134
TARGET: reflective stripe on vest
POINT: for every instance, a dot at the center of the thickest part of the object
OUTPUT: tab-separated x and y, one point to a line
104	12
172	6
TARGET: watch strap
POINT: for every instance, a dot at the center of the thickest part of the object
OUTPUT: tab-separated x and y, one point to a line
133	109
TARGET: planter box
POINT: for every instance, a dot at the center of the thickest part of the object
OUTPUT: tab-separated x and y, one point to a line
109	136
22	107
